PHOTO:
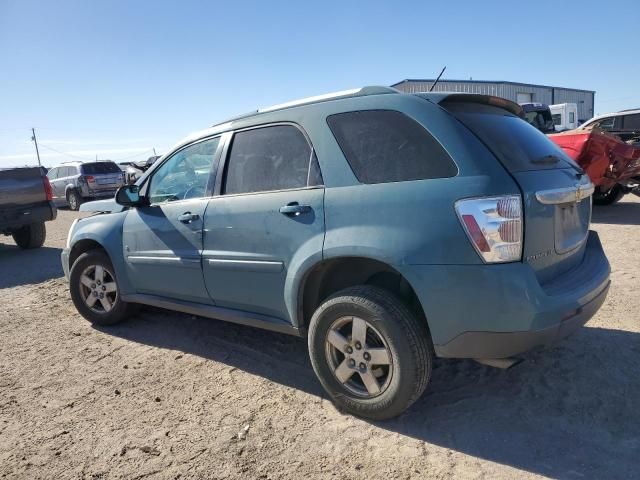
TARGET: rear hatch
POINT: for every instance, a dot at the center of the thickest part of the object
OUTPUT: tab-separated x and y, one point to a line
103	175
556	192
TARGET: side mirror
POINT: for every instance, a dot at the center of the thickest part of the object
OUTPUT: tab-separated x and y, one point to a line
128	196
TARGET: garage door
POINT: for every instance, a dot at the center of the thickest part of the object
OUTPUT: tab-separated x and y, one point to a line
522	97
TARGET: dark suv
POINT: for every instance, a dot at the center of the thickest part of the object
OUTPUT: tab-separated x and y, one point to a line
76	182
385	227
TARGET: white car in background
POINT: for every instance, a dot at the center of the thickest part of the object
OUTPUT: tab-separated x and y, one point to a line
565	116
625	124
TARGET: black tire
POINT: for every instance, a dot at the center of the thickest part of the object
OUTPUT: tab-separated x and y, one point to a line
74	200
407	340
30	236
119	310
614	195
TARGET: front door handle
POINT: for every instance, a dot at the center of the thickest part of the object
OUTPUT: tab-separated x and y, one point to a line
294	209
188	217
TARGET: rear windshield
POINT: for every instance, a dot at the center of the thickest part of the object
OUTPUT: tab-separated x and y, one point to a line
100	167
387	146
519	146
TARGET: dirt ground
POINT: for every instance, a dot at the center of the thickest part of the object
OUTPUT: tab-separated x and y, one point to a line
167	395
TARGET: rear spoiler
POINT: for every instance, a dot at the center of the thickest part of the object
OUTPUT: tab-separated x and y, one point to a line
444	98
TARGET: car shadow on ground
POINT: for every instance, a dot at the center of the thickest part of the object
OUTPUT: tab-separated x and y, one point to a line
569	411
623	213
22	267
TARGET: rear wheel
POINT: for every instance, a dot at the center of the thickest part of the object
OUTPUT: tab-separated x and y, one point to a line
30	236
608	197
74	200
94	289
372	355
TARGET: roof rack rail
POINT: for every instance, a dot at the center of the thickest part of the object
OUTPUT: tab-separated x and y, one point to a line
354	92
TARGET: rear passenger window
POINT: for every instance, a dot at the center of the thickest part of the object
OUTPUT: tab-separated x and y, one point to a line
270	158
387	146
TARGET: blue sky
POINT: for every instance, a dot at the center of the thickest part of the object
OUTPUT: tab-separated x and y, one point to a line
116	78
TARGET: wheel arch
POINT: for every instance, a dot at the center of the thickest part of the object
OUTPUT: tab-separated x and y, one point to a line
82	246
70	187
334	274
103	232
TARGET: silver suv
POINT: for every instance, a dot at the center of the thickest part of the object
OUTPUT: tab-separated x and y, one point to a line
73	183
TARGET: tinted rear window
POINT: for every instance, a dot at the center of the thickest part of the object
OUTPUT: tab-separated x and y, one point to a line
100	167
387	146
518	145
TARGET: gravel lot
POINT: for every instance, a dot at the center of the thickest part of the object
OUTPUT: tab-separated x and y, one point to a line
167	395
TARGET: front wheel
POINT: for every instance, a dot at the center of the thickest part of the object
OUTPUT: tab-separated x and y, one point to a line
94	289
611	196
372	355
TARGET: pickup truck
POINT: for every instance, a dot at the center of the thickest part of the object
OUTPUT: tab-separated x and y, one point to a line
25	204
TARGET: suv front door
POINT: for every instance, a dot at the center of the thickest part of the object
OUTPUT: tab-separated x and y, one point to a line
162	242
266	221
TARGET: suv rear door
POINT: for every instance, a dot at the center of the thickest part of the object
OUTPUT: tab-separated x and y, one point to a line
556	192
60	183
268	217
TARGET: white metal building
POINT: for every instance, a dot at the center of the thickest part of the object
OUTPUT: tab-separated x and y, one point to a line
514	91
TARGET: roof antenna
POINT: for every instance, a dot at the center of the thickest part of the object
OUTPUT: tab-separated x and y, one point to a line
434	83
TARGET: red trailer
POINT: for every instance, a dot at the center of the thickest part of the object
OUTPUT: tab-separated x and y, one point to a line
612	165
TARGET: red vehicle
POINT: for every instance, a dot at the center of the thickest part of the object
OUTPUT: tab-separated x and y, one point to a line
612	165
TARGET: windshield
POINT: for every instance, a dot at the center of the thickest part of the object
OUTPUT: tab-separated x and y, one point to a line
519	146
541	119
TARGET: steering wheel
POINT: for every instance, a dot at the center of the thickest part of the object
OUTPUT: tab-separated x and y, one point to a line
194	191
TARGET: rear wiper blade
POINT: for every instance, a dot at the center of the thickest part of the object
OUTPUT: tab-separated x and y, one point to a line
555	159
546	159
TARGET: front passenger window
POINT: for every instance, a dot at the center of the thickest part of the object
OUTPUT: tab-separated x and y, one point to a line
184	175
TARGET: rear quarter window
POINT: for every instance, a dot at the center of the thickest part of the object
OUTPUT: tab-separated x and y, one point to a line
384	146
518	145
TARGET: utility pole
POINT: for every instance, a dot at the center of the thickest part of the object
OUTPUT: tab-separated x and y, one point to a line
33	137
154	152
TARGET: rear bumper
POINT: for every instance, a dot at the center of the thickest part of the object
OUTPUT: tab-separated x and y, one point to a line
16	217
497	311
86	193
507	344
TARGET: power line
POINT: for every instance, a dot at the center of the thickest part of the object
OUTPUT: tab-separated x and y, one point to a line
133	156
63	153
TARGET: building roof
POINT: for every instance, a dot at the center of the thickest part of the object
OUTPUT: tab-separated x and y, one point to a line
427	80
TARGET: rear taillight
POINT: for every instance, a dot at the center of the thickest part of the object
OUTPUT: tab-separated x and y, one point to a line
47	188
89	179
494	226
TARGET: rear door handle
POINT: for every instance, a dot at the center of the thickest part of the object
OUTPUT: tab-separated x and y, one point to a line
294	209
188	217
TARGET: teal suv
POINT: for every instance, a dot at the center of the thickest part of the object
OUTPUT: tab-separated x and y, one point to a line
387	228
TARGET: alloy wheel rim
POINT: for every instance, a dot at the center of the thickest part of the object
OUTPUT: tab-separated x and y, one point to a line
359	357
98	288
72	202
